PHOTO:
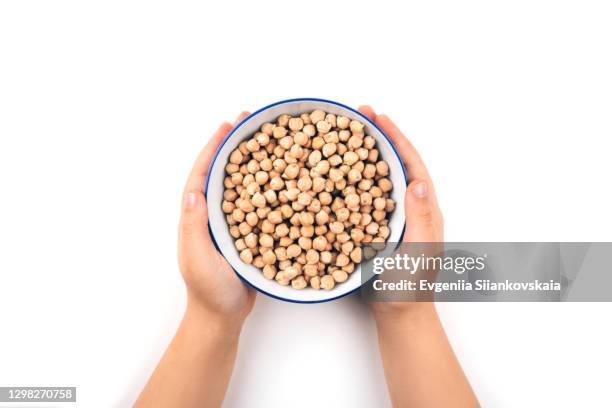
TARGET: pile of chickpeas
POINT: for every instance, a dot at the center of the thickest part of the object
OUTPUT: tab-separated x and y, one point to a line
304	195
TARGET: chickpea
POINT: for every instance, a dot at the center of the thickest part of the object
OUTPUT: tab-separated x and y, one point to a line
354	176
357	235
252	219
362	153
238	215
380	203
342	214
344	135
376	191
234	230
318	184
227	206
350	158
277	183
322	167
299	283
365	184
356	126
340	276
354	142
335	160
230	195
291	171
373	155
335	175
384	232
261	177
296	124
312	256
317	143
263	138
382	168
343	122
322	218
258	262
281	279
306	218
372	228
385	185
304	198
325	198
305	243
378	215
309	130
347	247
246	256
365	219
365	199
266	240
355	218
269	271
307	231
317	115
236	178
258	200
323	126
342	237
279	132
236	157
331	138
352	201
327	282
315	282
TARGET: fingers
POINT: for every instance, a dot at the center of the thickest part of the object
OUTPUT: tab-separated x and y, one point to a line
197	178
421	213
200	167
242	115
367	111
194	218
415	166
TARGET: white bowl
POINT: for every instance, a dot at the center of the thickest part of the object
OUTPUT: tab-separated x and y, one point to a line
214	194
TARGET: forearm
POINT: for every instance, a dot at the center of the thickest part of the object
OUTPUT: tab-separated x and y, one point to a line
420	365
196	368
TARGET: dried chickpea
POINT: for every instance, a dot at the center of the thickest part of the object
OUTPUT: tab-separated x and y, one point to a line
299	283
303	194
340	276
246	256
327	282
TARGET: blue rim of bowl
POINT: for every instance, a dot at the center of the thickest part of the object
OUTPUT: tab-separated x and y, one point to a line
212	236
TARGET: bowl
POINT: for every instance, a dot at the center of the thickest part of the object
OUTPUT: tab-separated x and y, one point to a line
219	229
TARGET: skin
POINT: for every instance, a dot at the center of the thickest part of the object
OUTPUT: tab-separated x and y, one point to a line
420	366
196	368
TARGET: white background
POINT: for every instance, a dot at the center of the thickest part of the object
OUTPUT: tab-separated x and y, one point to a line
104	106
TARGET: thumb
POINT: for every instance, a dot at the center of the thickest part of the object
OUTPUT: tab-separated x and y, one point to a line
420	213
194	218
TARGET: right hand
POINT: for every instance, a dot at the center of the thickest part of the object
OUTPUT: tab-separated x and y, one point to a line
424	222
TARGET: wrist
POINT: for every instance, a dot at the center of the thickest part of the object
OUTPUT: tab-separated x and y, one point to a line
214	323
400	314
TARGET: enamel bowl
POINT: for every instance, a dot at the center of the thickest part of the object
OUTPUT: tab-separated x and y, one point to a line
214	195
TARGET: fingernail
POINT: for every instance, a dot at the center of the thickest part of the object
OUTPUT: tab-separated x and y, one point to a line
420	190
191	200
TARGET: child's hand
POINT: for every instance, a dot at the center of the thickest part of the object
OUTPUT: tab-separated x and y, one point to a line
423	216
212	285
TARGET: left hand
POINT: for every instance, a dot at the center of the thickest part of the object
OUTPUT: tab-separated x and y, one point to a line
212	284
